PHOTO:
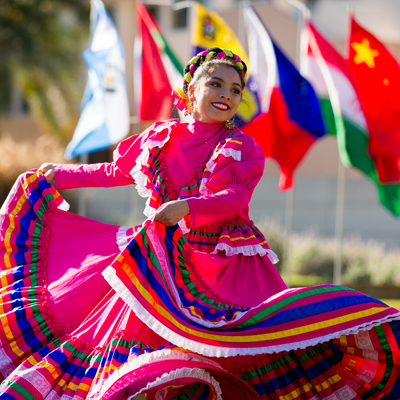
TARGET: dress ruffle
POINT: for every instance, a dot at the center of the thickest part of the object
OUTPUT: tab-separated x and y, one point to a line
156	266
239	236
39	361
152	181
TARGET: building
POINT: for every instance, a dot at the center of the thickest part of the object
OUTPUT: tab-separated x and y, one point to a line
316	179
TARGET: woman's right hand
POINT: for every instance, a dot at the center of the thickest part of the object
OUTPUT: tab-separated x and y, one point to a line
49	171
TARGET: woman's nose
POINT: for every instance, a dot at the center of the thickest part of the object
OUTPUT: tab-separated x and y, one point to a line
225	96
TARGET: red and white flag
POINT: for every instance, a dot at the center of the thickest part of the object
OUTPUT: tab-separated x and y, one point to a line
156	71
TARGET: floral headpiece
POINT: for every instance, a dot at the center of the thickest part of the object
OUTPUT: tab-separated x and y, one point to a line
182	101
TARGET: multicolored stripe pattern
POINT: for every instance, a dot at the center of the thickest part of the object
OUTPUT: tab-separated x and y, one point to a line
234	234
38	361
156	277
150	174
359	366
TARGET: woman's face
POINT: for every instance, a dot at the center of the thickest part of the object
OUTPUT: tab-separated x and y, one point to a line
216	97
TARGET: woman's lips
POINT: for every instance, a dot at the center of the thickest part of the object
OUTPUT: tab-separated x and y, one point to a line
221	106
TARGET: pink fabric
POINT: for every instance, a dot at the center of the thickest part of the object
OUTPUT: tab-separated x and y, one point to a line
247	281
233	183
80	299
70	176
188	147
241	279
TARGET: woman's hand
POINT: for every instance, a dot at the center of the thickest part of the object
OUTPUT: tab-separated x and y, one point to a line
172	212
49	171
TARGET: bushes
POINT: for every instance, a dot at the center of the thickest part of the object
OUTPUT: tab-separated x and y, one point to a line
363	263
17	157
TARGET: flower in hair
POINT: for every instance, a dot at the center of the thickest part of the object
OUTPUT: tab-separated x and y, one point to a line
182	101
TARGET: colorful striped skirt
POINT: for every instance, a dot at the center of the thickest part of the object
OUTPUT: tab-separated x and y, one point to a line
85	316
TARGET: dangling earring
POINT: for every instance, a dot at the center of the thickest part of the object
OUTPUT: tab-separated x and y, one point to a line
189	108
230	124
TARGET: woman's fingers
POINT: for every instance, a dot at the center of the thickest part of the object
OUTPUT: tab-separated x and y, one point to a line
171	213
49	171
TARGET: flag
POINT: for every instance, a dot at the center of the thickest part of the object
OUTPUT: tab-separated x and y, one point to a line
333	80
157	70
210	30
104	116
377	80
290	120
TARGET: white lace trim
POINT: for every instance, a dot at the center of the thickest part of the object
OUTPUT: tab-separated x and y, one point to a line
182	225
64	206
122	239
219	351
148	210
235	154
204	190
195	373
139	177
145	359
250	250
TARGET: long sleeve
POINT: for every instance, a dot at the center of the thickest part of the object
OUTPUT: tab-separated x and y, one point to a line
227	202
235	172
117	173
69	176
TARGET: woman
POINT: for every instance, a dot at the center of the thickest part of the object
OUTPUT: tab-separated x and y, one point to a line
191	311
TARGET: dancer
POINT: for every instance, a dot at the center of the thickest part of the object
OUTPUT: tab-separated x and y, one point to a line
189	305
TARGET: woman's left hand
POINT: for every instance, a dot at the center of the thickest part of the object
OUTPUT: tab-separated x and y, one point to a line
172	212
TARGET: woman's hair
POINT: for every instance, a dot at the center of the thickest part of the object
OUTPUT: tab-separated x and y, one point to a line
205	62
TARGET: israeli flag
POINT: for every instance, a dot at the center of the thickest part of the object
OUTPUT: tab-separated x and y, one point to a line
105	109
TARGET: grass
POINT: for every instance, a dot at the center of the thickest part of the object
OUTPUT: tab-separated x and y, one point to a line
395	303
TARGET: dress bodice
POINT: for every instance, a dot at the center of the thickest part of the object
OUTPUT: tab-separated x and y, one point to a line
228	160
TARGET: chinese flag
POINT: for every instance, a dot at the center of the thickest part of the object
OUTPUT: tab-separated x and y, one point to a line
377	81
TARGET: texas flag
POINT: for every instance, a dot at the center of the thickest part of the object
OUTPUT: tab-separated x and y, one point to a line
290	121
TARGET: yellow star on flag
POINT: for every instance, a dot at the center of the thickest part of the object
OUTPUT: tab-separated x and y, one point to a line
364	53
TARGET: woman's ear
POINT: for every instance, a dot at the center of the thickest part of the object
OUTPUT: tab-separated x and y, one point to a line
191	93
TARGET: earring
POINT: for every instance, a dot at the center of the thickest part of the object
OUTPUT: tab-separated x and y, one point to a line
230	124
189	108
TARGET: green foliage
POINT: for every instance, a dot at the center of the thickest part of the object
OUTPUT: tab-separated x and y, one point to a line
41	42
312	259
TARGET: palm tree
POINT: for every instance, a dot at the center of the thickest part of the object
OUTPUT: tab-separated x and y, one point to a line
41	42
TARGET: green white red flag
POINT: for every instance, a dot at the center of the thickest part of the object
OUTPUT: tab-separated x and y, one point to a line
333	81
156	71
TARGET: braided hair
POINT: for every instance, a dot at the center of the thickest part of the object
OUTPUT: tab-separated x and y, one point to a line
204	63
207	60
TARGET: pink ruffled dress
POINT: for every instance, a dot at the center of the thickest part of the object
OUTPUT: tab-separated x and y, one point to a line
215	170
197	311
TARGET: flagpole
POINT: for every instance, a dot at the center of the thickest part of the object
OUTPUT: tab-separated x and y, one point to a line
339	228
83	159
134	213
341	191
290	194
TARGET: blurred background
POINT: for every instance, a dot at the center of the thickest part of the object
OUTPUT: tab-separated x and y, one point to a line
43	77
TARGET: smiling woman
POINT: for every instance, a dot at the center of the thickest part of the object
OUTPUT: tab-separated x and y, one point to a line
191	305
216	97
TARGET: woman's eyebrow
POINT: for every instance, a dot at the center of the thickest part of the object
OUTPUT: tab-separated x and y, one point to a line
220	79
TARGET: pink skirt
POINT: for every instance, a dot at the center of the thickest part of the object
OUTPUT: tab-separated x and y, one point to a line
169	321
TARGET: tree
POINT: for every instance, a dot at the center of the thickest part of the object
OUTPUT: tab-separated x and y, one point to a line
41	42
